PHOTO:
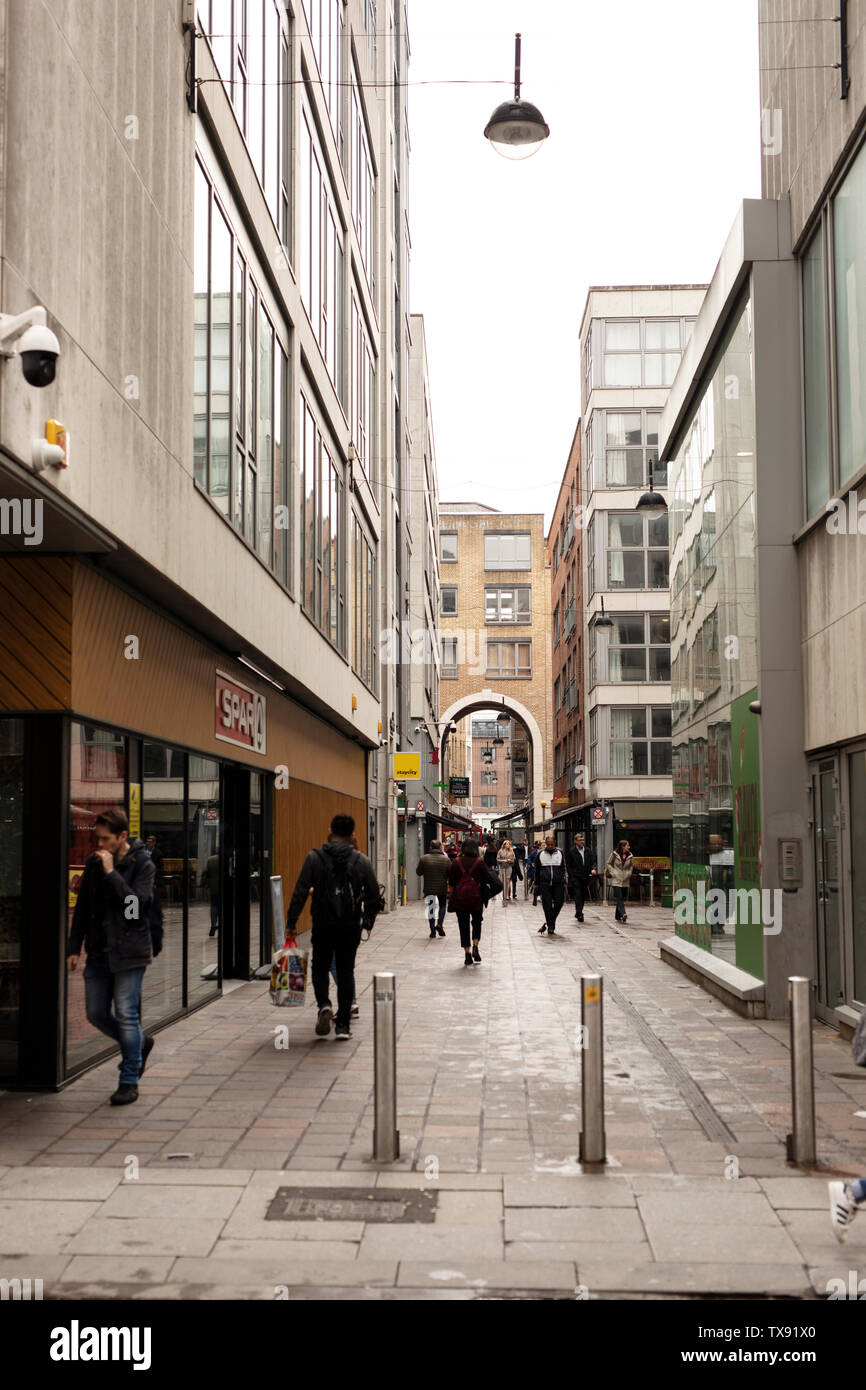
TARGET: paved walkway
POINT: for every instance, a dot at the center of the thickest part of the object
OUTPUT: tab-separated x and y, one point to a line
177	1196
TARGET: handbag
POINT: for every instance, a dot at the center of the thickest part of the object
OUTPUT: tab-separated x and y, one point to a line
289	975
858	1045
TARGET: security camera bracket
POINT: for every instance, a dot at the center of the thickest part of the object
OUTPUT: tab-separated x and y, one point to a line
13	325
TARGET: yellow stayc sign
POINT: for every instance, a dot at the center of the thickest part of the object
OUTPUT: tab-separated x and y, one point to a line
407	767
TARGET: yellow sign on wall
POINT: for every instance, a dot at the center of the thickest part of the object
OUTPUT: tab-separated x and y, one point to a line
134	809
407	767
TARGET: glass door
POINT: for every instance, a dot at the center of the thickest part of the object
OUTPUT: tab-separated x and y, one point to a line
828	916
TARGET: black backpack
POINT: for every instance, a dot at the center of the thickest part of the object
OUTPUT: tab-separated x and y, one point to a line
154	914
339	894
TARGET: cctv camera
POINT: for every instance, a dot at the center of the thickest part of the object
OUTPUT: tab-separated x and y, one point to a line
39	351
452	727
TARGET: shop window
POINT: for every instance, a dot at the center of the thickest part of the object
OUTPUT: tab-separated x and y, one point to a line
201	877
163	831
11	900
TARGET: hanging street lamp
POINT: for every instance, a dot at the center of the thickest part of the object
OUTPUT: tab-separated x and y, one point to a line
601	619
651	503
517	128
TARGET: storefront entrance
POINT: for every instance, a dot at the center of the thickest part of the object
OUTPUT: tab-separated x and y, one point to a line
828	915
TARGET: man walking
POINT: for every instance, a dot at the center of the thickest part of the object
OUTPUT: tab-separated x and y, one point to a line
550	875
112	921
434	866
345	902
582	866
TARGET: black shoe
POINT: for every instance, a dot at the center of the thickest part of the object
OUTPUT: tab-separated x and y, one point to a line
580	919
439	931
432	936
124	1095
468	959
475	954
145	1053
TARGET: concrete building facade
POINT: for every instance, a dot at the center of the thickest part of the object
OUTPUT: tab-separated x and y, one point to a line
565	550
191	631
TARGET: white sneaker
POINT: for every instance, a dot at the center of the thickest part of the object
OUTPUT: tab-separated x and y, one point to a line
843	1209
353	1012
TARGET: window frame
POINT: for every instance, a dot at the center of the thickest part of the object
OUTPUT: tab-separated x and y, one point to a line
518	568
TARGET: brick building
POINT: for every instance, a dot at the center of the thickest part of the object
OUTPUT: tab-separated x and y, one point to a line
567	691
495	631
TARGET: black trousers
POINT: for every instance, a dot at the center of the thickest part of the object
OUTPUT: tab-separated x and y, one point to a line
551	901
463	919
342	942
579	891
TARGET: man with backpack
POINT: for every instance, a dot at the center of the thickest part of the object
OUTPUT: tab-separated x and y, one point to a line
470	878
345	902
112	919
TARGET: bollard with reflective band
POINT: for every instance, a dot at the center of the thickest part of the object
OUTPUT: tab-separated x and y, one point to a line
593	1147
801	1142
386	1140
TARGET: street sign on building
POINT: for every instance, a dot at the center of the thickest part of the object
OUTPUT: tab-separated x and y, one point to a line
419	806
597	815
458	786
407	767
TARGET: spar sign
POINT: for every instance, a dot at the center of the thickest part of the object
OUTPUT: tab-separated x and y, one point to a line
240	715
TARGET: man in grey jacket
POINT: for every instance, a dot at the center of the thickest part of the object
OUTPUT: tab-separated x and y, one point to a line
434	865
112	921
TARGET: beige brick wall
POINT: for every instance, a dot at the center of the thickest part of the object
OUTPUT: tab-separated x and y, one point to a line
472	631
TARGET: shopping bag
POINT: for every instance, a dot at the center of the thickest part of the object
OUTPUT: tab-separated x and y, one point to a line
289	974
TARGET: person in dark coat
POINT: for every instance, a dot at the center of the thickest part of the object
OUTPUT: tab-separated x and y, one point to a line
434	866
582	866
467	899
345	902
550	876
112	921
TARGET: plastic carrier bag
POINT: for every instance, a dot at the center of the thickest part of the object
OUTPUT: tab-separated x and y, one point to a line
289	975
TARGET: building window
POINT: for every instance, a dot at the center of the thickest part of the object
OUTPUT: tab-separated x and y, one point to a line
364	597
448	546
622	353
363	182
640	743
631	445
322	557
240	409
449	600
509	660
321	252
488	803
249	48
638	648
449	658
507	551
508	605
593	745
362	396
643	352
637	557
325	24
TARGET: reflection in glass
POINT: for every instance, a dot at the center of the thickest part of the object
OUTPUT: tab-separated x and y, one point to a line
849	274
11	856
163	832
204	840
857	782
815	376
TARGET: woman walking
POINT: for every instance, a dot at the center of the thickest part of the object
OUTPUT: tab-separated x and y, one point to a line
466	875
619	871
505	863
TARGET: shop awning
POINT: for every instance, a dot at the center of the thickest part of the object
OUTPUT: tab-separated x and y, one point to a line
453	821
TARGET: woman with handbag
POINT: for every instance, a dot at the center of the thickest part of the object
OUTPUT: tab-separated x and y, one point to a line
469	876
619	871
505	864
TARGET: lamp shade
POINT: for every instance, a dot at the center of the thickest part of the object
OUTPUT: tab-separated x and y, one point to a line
652	504
516	129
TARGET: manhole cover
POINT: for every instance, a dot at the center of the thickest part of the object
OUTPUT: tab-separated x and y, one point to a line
350	1204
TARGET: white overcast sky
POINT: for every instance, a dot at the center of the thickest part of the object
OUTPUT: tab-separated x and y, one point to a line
655	123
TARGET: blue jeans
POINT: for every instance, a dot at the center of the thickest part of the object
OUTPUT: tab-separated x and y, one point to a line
101	986
618	899
859	1190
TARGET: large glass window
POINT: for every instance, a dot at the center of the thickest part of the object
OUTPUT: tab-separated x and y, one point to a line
202	876
638	648
321	251
639	742
508	605
163	830
363	183
363	391
448	546
11	901
643	352
364	592
322	556
325	24
849	275
857	784
240	412
449	658
815	374
508	660
506	551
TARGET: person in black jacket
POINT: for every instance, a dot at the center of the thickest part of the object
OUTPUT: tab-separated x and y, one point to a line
112	921
582	866
471	888
345	902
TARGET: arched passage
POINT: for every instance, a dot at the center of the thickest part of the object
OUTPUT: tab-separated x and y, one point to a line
495	700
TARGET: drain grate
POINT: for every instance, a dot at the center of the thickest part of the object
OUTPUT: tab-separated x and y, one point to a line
351	1204
710	1122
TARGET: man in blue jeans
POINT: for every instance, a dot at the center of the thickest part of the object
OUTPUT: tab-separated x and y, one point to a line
112	921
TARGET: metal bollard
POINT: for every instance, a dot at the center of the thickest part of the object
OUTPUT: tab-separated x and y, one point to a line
386	1139
593	1147
801	1143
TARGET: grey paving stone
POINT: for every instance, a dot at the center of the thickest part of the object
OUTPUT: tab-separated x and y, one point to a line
145	1236
419	1243
724	1204
490	1274
332	1246
57	1184
570	1224
577	1250
655	1280
360	1273
790	1193
582	1190
117	1269
188	1203
41	1228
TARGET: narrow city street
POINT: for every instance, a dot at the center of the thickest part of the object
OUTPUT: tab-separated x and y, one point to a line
244	1170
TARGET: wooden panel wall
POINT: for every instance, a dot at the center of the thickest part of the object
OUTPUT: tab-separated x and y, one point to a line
302	815
35	632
